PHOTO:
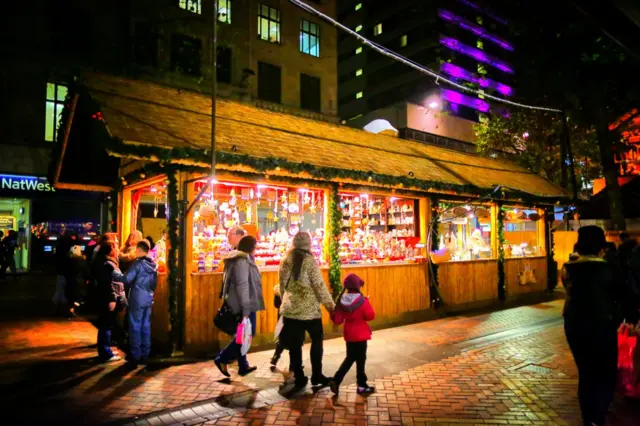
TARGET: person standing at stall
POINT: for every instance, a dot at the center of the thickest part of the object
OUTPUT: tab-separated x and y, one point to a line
303	290
242	290
589	322
128	250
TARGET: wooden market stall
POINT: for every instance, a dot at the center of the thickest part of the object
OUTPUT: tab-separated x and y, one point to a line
375	205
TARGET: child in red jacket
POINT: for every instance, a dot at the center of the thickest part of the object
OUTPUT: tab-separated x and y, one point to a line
354	310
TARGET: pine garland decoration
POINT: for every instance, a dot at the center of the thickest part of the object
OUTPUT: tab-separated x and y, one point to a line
172	255
434	284
335	222
502	290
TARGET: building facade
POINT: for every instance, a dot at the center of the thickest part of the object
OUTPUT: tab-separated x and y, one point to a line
463	40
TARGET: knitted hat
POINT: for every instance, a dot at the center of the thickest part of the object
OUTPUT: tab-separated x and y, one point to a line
353	282
302	241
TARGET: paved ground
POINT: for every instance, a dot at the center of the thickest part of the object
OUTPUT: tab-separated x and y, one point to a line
508	367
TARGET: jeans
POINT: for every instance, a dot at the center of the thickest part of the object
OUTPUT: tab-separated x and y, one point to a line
139	320
106	320
356	352
595	351
232	351
295	333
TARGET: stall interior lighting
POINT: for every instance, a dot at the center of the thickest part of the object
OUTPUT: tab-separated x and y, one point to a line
476	54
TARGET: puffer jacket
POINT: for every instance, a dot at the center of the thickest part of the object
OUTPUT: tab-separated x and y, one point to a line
242	284
142	279
301	298
354	311
109	290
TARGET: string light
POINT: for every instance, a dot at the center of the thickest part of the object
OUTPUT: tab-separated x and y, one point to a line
384	51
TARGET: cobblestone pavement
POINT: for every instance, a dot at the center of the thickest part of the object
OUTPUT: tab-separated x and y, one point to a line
504	367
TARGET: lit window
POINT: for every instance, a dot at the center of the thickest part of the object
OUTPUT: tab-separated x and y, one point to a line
268	24
377	30
481	94
56	94
359	28
479	20
358	6
191	6
481	69
480	44
358	50
403	41
359	72
358	95
224	11
309	38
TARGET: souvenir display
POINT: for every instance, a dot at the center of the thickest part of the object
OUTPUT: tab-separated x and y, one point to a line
521	233
465	233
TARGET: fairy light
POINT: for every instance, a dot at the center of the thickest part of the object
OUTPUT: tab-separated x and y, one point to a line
384	51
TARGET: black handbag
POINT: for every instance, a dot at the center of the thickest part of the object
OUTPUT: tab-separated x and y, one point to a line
225	320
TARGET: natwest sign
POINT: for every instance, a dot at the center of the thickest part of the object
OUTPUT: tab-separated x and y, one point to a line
25	183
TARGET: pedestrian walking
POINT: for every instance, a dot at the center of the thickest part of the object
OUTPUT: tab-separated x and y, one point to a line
354	311
277	302
111	299
303	290
590	327
242	291
10	244
141	279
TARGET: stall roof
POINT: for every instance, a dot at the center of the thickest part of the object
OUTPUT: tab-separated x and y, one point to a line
140	112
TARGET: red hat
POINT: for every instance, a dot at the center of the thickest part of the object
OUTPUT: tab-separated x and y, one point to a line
353	282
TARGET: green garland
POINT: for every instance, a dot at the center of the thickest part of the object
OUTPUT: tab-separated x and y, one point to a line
434	283
335	222
502	290
172	256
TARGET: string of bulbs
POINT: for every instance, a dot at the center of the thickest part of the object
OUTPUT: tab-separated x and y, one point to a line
387	52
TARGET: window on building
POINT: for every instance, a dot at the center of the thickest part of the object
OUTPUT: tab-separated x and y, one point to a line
481	69
358	50
56	94
358	6
377	30
224	11
310	97
190	5
403	41
185	54
309	38
223	60
145	48
359	72
480	44
268	24
479	20
269	82
359	28
358	95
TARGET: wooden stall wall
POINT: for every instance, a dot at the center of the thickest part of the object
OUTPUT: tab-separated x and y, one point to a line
514	267
468	284
160	323
563	246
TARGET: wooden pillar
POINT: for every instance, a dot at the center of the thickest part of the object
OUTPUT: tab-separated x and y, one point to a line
327	225
542	232
494	230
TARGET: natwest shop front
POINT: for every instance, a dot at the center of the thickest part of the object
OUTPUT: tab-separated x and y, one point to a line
39	214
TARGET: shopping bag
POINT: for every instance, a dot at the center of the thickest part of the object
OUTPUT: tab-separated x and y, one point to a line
278	330
628	361
243	336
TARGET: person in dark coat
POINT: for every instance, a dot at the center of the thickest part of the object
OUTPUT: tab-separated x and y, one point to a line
76	279
141	279
10	243
110	299
590	325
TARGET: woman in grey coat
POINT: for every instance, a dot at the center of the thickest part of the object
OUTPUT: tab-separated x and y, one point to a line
243	294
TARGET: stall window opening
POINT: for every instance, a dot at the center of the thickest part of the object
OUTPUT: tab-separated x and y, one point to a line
273	214
464	232
522	232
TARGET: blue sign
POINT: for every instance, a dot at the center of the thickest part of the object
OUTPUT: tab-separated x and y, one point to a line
25	183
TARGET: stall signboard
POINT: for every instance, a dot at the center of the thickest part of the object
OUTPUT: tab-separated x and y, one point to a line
25	183
7	222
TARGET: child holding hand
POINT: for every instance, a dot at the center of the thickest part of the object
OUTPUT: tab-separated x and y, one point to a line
354	311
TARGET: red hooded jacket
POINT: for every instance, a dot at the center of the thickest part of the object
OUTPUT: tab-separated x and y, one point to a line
354	311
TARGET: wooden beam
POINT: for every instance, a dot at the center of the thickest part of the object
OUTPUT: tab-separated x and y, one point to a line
65	140
83	187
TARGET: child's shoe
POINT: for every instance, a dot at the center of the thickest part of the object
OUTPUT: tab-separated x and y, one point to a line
366	390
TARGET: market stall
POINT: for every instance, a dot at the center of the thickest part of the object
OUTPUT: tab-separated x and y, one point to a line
422	225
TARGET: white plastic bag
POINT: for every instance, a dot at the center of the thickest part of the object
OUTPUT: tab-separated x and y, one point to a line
278	330
243	336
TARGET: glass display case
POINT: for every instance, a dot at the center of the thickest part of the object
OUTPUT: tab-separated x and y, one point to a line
464	232
522	232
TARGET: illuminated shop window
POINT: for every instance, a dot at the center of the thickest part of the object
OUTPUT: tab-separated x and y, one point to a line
56	94
464	232
522	232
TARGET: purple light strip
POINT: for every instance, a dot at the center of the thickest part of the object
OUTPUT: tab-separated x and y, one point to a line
457	72
480	9
460	99
476	29
476	54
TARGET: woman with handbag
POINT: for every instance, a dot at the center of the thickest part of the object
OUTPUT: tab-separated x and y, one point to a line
242	294
590	325
303	290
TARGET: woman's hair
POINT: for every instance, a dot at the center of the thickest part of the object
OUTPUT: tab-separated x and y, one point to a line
591	240
133	239
108	249
247	244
